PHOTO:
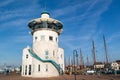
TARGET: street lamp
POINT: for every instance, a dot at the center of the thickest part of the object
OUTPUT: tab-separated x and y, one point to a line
75	55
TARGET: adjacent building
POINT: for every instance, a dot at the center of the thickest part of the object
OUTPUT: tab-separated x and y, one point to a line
116	65
98	65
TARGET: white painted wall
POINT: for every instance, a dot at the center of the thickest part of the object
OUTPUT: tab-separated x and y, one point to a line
115	65
52	71
40	46
61	58
26	61
45	16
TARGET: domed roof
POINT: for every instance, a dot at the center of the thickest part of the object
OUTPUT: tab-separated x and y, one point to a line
46	23
45	12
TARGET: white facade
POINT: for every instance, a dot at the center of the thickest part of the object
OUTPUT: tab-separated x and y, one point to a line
99	66
115	66
44	58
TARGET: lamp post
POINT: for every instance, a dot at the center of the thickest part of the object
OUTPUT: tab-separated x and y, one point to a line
75	55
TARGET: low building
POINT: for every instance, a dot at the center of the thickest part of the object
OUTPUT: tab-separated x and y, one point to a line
98	65
116	65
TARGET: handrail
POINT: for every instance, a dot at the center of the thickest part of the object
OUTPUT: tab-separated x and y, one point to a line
51	61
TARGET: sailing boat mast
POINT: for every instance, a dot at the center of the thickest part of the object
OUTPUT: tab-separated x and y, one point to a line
93	52
87	61
70	61
81	58
105	46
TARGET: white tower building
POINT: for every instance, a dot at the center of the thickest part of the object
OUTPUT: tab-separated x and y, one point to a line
45	58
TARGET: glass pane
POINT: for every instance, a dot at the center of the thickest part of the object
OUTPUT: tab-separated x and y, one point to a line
46	53
38	67
44	24
29	69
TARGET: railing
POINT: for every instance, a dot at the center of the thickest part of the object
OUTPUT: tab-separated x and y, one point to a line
50	61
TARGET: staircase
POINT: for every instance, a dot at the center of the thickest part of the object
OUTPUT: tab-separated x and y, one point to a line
59	69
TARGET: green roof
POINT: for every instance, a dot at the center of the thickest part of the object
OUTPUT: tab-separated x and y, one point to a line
45	12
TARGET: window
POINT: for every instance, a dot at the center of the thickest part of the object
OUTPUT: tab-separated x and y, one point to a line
26	70
56	39
46	55
50	38
62	65
35	38
46	67
23	69
53	53
39	67
44	24
29	69
61	55
42	37
33	68
26	56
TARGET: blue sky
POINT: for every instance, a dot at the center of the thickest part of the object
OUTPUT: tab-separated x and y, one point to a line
83	20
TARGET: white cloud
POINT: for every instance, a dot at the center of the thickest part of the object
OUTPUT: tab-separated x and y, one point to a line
18	24
69	9
19	11
84	25
115	36
5	2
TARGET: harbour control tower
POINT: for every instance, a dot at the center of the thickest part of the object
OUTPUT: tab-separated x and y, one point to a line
45	58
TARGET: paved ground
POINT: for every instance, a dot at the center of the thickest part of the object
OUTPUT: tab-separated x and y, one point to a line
64	77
